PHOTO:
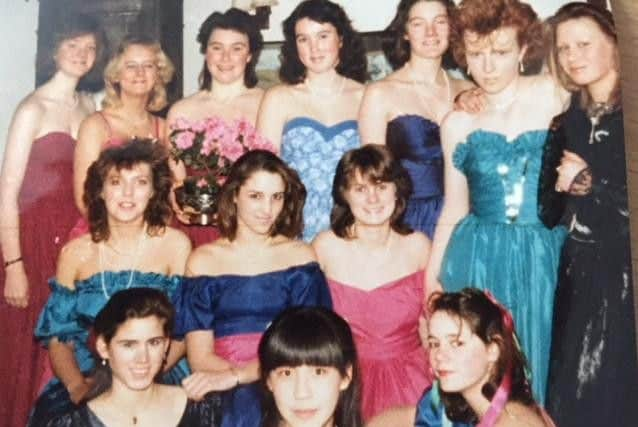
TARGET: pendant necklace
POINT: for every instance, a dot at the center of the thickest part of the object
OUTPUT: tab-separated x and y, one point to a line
135	255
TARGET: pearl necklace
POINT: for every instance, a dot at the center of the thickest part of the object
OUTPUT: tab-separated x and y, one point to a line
136	256
315	93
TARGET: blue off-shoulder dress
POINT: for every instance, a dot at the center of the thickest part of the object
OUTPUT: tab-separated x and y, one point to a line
313	150
238	309
416	142
502	245
69	315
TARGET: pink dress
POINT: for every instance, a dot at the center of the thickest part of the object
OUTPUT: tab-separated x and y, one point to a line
47	214
384	321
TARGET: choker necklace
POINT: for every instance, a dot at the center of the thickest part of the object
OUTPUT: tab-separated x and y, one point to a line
316	93
135	256
422	97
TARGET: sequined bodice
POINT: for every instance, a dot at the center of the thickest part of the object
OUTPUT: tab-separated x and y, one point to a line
502	175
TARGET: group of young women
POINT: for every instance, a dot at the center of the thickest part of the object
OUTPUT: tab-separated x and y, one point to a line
435	199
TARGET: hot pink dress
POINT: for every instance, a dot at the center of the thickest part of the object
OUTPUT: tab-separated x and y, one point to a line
47	214
384	321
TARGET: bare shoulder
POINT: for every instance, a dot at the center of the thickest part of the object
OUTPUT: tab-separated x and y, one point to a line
297	251
459	85
31	107
86	101
323	242
255	94
456	125
417	241
94	120
184	105
72	255
176	238
201	258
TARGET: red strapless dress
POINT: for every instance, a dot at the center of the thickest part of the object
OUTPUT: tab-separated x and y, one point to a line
384	322
47	214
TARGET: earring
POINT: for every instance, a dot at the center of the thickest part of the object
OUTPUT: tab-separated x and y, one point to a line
521	67
103	362
469	73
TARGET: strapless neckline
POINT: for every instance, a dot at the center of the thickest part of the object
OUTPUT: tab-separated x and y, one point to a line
524	135
386	285
415	117
328	131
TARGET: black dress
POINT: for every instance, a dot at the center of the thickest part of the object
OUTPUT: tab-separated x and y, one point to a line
205	413
593	376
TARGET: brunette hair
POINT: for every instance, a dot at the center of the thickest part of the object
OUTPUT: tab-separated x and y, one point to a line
236	20
133	303
313	336
488	320
605	21
73	25
375	163
396	47
352	59
289	223
136	151
157	100
483	17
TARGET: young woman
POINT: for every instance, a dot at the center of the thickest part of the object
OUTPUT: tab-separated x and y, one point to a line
240	282
481	370
404	109
594	346
309	379
133	337
129	245
311	118
379	293
489	229
37	210
231	43
135	80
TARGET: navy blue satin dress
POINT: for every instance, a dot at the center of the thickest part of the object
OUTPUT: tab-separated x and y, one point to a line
416	142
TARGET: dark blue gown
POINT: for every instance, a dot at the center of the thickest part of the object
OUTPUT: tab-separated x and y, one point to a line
416	142
238	309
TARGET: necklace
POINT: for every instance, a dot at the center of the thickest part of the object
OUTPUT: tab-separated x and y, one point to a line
135	256
422	97
504	104
317	93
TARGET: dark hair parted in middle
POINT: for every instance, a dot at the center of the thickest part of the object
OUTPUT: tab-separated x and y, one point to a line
486	320
158	211
374	163
483	17
352	59
395	47
236	20
289	223
313	336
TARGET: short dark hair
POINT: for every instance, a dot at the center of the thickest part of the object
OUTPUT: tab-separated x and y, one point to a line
158	211
486	16
377	164
605	21
352	59
73	25
290	220
133	303
486	319
394	44
311	336
236	20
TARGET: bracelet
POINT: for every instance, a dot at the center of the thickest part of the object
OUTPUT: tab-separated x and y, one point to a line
13	261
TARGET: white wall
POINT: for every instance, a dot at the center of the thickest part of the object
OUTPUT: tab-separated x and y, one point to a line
18	24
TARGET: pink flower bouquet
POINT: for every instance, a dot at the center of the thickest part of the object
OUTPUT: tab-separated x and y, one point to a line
208	148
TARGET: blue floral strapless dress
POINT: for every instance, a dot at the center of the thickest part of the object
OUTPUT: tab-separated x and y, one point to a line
68	316
416	142
502	245
313	150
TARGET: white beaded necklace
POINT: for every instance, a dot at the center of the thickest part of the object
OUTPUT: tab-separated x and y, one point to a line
136	256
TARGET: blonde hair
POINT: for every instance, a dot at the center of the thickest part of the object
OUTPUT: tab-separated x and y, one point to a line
165	70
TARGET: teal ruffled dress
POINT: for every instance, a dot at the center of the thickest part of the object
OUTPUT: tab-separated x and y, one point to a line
502	245
69	315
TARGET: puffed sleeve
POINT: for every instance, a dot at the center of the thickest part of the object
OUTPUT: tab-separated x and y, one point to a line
195	301
309	287
459	155
551	204
59	317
